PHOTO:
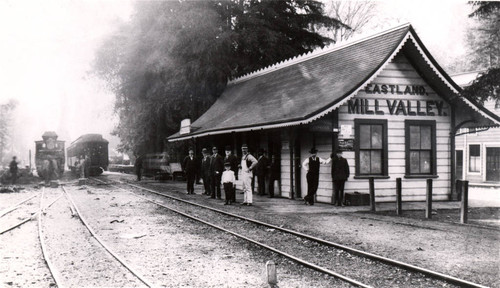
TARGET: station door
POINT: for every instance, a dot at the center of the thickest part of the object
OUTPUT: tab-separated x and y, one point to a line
493	164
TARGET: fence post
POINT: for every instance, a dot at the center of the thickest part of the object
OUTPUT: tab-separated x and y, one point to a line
428	208
398	197
458	188
465	202
371	181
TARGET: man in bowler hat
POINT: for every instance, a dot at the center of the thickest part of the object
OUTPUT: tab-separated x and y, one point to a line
311	165
189	168
261	171
340	173
205	170
216	169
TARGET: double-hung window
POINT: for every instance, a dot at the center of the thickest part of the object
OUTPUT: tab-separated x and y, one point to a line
420	142
371	147
474	158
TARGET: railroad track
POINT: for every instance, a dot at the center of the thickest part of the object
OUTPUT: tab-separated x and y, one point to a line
67	259
317	254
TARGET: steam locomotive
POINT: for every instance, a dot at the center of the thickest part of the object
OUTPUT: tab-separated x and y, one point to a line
49	156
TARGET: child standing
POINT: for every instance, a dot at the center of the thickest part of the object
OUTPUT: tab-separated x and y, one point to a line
228	181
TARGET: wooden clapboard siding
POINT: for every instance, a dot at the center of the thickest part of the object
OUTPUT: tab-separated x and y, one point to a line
398	72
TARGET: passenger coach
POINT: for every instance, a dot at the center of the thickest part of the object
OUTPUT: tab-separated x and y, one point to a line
383	100
92	146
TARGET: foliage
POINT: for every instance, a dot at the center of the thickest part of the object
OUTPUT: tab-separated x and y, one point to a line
354	14
484	41
486	86
5	123
174	58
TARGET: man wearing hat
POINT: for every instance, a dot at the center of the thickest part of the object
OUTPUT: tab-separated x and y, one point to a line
248	163
233	162
340	173
205	170
311	165
189	168
216	168
261	171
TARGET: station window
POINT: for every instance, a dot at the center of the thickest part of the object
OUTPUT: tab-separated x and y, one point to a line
420	146
474	158
371	147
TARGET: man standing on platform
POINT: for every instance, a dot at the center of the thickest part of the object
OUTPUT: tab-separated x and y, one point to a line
233	162
189	168
340	173
248	163
261	172
205	170
311	165
216	169
274	175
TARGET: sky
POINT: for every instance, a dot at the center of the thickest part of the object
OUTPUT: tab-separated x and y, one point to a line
48	46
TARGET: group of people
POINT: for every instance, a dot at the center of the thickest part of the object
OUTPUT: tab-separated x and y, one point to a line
339	172
219	171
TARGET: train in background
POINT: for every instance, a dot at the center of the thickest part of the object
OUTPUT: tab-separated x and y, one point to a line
49	156
90	146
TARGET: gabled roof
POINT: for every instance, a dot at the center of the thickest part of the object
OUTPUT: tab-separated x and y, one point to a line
306	88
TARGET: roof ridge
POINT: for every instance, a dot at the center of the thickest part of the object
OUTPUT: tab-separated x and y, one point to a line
313	54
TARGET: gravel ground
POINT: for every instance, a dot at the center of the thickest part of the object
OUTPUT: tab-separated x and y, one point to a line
171	251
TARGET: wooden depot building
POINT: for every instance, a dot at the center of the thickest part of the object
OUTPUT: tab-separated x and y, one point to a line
383	100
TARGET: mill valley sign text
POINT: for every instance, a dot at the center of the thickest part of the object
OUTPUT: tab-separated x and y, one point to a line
396	107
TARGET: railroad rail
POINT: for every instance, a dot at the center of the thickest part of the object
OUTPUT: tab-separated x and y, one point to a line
75	212
432	274
103	244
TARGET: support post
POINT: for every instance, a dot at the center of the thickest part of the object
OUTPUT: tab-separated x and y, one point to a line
399	210
453	172
292	161
428	198
372	193
465	202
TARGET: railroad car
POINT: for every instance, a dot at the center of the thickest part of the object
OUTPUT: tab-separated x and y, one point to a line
92	146
156	165
49	156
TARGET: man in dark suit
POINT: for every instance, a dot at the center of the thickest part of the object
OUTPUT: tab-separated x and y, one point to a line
233	162
189	168
261	171
274	175
216	169
340	173
205	170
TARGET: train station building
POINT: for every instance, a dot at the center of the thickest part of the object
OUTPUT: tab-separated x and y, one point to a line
383	100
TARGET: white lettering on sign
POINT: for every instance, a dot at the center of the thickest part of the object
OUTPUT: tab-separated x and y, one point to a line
397	107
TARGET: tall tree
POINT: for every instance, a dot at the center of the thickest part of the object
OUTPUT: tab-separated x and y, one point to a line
354	14
174	58
5	125
484	43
